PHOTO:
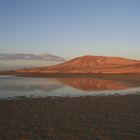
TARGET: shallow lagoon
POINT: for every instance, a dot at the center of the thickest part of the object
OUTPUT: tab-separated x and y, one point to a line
13	87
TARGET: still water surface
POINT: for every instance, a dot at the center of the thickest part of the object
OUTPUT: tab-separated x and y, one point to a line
14	87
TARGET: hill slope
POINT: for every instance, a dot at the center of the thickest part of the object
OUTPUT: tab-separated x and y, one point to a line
91	64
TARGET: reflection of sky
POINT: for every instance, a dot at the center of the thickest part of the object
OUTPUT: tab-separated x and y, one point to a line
28	84
42	87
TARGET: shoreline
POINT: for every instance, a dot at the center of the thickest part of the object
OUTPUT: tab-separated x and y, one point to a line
117	77
66	74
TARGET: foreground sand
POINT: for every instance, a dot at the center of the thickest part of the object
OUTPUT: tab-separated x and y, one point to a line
83	118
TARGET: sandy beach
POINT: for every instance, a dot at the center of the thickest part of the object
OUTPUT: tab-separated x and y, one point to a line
82	118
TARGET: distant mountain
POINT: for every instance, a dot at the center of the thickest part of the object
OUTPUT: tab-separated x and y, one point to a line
86	65
91	64
45	57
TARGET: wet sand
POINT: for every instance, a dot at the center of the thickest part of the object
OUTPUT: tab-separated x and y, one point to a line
82	118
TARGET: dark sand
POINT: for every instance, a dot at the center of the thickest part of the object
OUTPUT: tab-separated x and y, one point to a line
83	118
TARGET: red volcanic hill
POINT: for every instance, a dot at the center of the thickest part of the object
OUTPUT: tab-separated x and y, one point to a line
91	64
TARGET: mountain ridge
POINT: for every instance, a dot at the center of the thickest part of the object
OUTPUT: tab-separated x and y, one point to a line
88	64
89	60
28	56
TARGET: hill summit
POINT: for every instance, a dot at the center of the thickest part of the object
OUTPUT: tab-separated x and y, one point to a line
91	64
97	61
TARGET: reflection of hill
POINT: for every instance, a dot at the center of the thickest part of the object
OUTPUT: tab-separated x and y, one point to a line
90	84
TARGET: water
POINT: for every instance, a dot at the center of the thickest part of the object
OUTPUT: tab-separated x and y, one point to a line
14	87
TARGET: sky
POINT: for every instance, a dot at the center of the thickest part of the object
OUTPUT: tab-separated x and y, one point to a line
71	28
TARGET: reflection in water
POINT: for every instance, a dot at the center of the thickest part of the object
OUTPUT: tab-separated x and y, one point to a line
90	84
25	84
41	87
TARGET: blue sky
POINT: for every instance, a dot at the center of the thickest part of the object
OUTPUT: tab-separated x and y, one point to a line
71	28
